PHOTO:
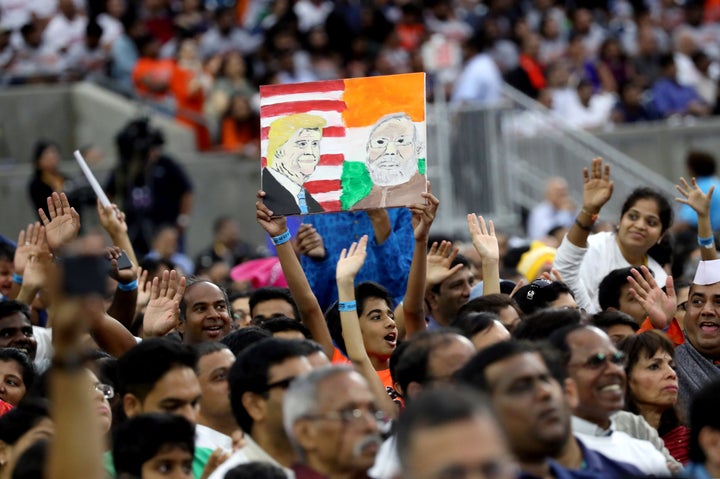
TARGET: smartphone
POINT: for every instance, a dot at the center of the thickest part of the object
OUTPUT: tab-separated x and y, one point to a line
123	261
85	275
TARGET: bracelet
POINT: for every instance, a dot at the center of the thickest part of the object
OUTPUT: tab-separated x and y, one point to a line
347	306
593	218
704	242
281	239
17	278
132	286
582	226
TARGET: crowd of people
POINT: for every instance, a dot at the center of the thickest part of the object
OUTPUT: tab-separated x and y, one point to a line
370	349
592	63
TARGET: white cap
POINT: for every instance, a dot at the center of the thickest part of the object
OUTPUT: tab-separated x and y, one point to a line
708	272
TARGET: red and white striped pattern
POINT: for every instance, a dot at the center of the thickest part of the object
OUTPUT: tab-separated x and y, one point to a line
324	99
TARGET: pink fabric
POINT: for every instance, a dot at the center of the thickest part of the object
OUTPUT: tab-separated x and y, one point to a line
260	272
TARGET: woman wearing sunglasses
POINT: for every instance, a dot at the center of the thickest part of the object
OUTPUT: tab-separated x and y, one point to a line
652	388
583	260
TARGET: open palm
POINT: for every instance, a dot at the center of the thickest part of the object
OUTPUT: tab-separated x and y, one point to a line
352	260
597	187
64	222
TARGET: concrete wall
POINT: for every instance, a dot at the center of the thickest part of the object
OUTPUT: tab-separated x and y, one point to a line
662	146
82	114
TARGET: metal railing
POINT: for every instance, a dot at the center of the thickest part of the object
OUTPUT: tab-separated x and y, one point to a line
496	161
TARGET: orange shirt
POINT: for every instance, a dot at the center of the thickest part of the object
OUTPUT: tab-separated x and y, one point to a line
674	331
156	72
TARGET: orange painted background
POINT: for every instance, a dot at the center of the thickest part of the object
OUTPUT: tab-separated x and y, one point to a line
368	99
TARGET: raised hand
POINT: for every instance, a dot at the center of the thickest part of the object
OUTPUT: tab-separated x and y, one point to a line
483	237
64	222
439	259
553	275
273	225
123	276
694	197
658	305
37	270
163	310
112	219
309	242
144	290
597	187
351	260
423	215
31	241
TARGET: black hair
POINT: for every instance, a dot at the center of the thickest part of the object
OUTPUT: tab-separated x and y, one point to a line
283	323
610	286
31	463
208	347
703	413
146	363
40	146
192	282
363	292
435	408
7	251
700	163
540	294
250	372
542	324
665	212
243	338
255	470
219	222
93	30
23	360
142	437
665	60
491	303
606	319
558	339
261	295
16	422
152	266
473	373
459	259
472	323
10	307
310	347
412	364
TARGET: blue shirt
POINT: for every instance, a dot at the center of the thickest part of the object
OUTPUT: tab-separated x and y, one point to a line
696	471
670	97
387	264
596	463
689	216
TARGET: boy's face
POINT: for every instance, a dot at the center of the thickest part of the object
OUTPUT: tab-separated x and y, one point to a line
6	274
171	461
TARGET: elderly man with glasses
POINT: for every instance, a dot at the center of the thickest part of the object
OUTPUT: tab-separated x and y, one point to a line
332	420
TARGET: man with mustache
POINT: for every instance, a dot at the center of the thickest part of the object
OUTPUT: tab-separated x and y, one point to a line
392	161
331	417
293	153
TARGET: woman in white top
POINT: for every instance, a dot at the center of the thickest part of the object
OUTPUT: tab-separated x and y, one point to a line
583	260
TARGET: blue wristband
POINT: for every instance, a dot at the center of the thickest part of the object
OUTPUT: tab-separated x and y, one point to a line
706	242
128	287
17	278
281	239
347	306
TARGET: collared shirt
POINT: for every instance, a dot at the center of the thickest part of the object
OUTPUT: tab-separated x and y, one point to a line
251	452
619	446
595	462
286	183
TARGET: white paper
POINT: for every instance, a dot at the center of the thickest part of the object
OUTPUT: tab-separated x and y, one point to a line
91	179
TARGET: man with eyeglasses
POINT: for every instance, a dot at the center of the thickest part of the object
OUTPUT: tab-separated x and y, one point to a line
331	417
453	434
534	411
597	371
258	381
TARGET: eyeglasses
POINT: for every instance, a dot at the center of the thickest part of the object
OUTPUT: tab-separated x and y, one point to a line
107	391
353	417
597	361
282	384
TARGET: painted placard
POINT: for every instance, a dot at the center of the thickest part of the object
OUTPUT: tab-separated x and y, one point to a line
342	145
